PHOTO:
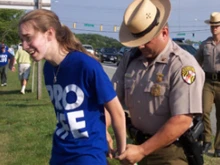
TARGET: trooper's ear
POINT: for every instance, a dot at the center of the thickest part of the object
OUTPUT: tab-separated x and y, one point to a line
165	32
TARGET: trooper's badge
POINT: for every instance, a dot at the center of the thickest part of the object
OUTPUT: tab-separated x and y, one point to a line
188	74
155	90
159	77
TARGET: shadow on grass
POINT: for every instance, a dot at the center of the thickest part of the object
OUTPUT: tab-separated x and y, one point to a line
9	92
14	92
27	105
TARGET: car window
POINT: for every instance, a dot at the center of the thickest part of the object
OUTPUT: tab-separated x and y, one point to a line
124	49
88	47
109	50
188	48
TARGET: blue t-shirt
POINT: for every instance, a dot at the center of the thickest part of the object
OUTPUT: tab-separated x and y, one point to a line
4	57
78	96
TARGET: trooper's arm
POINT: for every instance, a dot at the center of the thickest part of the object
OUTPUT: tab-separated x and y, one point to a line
171	131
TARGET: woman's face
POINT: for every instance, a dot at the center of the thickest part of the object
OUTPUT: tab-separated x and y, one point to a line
33	41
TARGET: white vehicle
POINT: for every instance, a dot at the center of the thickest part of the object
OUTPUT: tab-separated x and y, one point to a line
89	48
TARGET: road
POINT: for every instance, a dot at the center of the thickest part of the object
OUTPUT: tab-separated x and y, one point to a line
110	70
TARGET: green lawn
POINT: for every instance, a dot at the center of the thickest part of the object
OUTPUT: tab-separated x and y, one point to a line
27	124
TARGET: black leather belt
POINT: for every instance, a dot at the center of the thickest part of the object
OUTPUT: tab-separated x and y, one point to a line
140	138
136	135
212	76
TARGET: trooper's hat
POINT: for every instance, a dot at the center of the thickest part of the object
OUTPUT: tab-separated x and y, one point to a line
143	20
214	19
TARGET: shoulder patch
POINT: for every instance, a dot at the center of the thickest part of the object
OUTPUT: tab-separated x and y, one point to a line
188	74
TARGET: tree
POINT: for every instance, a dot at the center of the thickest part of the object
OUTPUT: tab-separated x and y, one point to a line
9	19
98	41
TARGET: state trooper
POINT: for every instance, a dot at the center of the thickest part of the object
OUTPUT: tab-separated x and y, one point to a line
161	88
208	56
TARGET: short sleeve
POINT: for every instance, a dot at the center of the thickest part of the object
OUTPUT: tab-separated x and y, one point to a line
102	84
186	90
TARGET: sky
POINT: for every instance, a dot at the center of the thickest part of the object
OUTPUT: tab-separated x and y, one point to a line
186	17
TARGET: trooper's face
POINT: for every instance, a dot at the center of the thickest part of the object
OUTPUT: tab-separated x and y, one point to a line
215	30
153	48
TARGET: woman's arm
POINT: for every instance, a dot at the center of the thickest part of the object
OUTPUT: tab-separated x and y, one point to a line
117	118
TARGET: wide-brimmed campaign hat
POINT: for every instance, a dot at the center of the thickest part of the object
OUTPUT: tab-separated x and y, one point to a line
214	19
143	20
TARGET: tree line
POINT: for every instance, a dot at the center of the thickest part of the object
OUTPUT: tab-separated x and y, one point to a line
9	25
9	19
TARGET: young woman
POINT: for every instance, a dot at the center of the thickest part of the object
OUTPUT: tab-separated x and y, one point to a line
79	89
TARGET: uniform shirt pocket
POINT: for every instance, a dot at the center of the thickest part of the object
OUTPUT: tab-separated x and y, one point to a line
129	87
208	54
207	51
158	95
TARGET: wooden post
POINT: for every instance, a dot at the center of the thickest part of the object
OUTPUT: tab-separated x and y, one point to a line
33	77
39	70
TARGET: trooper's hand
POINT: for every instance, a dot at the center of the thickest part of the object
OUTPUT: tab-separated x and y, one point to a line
131	155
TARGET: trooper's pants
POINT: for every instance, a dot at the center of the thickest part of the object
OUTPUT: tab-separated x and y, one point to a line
170	155
211	94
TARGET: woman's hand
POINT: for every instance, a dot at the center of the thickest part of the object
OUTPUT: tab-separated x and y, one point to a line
110	145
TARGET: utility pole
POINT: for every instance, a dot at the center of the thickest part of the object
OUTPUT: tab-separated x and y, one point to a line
39	4
39	65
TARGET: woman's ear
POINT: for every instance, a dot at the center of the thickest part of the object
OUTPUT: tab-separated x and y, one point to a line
50	34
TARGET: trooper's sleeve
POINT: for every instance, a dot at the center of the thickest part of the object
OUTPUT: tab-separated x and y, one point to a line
199	55
186	89
118	77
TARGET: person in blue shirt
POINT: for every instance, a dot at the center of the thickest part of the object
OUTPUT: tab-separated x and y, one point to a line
5	58
79	90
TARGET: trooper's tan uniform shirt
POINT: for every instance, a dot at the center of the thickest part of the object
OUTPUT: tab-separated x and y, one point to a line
171	85
208	56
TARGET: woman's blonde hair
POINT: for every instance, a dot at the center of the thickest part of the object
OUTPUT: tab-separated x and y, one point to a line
42	20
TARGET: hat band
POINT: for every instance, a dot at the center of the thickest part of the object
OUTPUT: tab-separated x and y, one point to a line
214	22
149	28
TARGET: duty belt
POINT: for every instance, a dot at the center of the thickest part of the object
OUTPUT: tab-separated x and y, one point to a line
138	136
213	76
135	134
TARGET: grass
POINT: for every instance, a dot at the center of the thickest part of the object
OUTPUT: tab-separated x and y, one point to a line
27	124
